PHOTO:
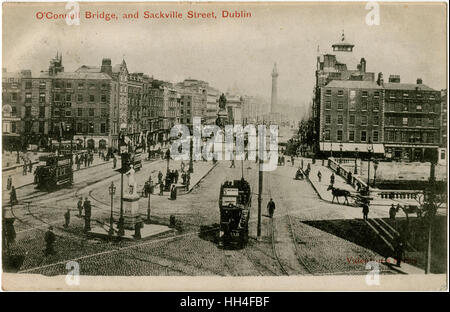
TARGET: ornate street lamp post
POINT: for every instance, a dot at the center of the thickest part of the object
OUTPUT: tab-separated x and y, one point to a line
356	159
191	147
112	191
340	156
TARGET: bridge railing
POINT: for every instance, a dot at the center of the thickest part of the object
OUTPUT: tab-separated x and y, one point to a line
346	174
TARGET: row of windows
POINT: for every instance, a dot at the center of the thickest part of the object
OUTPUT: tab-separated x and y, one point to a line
411	107
411	137
352	105
406	95
352	120
352	93
351	135
412	121
57	97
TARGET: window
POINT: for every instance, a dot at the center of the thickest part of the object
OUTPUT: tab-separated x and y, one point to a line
391	136
103	99
340	120
91	86
340	92
363	136
80	85
376	106
418	108
68	113
27	97
79	127
91	127
80	112
68	97
42	112
41	126
327	119
327	104
405	121
328	92
14	110
91	112
351	135
41	97
339	135
431	122
375	136
432	97
431	137
103	128
14	97
376	120
27	111
91	98
340	105
28	84
352	119
364	106
392	95
80	97
365	94
376	94
327	134
103	112
42	85
419	122
405	95
363	120
57	84
352	105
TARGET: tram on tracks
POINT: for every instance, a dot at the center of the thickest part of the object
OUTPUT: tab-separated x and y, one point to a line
53	172
234	204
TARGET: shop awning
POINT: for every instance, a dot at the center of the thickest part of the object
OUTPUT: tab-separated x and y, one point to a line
351	147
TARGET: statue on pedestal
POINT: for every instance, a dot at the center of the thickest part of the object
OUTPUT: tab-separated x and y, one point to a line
222	115
132	186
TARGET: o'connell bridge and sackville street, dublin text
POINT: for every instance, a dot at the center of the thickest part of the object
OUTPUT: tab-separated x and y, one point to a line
146	15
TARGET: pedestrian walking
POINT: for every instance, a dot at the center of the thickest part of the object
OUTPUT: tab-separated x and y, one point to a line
160	177
13	196
332	179
232	164
173	193
80	206
9	183
399	249
50	239
319	176
292	161
24	167
67	218
161	189
271	207
114	162
30	166
176	176
365	211
85	160
392	212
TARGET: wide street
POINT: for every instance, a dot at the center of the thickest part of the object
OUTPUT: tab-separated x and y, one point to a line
301	240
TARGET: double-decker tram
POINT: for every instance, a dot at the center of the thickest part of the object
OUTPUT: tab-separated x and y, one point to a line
54	171
234	204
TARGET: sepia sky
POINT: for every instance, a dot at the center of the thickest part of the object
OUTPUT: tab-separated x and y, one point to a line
410	41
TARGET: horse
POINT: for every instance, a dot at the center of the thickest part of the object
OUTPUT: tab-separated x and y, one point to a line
338	193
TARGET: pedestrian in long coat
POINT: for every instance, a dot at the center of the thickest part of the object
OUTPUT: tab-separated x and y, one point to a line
24	167
161	188
271	207
67	218
13	196
50	239
392	212
365	211
30	166
114	162
80	206
176	176
332	179
160	177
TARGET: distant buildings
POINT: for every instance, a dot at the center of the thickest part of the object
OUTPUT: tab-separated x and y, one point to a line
353	113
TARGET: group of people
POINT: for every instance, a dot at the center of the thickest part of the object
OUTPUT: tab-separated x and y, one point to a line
27	166
86	158
86	206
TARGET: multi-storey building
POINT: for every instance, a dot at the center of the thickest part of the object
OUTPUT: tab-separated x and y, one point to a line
351	116
444	118
412	120
193	101
135	121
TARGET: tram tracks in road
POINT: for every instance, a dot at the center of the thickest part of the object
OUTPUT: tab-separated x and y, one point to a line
292	235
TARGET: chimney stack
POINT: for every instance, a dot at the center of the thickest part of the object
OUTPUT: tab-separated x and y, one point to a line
380	80
419	80
106	66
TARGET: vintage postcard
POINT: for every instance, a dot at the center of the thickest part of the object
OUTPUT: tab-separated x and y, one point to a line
224	146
